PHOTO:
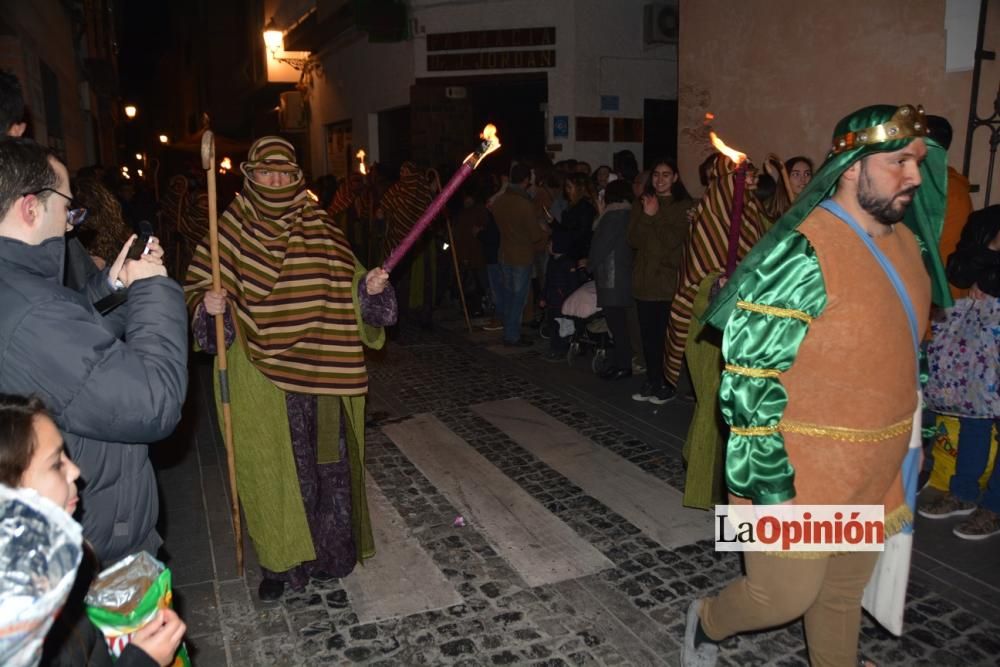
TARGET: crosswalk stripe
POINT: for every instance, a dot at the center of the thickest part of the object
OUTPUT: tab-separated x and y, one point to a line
648	503
537	544
401	579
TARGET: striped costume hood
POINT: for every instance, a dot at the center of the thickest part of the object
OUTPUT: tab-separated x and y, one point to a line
292	278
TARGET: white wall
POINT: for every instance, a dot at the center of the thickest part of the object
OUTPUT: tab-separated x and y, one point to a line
610	59
358	79
599	51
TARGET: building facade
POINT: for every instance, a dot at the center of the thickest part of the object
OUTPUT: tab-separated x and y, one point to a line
779	74
65	55
567	78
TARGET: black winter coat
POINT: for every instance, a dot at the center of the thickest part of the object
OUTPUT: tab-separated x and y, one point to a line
571	235
611	257
973	262
112	384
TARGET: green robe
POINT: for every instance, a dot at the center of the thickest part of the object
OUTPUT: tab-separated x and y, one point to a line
704	449
266	476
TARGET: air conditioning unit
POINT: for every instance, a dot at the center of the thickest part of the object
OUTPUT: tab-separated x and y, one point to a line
660	23
292	112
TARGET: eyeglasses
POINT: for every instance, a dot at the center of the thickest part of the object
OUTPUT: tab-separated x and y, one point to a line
75	214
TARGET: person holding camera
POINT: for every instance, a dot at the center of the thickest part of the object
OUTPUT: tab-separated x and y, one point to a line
112	383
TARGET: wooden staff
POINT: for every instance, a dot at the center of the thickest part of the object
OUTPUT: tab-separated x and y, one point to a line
454	252
208	164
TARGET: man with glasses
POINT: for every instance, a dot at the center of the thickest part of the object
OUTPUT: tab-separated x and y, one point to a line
111	383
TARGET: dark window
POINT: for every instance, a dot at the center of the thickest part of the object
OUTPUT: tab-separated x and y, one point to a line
593	128
627	129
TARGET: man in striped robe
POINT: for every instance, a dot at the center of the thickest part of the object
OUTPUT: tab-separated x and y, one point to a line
402	205
706	252
351	210
298	309
704	261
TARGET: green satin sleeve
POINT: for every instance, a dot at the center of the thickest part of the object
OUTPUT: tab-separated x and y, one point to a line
775	304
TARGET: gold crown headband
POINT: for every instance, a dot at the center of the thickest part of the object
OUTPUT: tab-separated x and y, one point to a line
908	121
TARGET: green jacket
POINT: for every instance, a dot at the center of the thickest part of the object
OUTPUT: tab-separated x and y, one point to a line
659	244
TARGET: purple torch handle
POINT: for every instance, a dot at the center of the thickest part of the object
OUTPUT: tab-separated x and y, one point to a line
736	217
418	228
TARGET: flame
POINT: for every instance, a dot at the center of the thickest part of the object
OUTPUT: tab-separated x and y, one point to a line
731	153
709	116
226	164
361	159
491	142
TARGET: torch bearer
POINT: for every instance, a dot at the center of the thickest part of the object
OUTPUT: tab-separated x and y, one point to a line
208	164
736	212
491	142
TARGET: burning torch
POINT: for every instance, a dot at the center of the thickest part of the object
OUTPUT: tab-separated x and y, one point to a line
739	183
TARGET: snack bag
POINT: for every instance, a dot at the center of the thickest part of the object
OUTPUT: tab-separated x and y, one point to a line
126	596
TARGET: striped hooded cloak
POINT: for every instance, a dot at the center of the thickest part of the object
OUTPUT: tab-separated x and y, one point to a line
706	252
292	282
404	203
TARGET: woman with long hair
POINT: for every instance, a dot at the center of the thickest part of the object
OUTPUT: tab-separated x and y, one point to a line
657	230
800	172
610	261
568	252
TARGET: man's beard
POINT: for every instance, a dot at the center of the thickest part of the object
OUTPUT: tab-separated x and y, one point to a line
881	208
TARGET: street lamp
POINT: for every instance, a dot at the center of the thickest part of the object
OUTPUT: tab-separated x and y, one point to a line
274	40
164	139
130	111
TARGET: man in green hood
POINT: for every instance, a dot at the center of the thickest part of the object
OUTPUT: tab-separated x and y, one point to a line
821	326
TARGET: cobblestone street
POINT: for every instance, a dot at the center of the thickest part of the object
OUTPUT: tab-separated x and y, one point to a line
625	606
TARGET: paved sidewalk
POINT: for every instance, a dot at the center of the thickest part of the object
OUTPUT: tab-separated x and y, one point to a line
628	612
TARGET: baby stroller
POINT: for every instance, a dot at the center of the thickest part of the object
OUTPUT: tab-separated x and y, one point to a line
589	328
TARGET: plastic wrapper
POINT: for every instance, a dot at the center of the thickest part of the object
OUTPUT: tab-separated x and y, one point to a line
126	596
40	550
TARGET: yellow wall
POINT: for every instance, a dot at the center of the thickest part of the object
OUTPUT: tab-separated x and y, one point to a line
779	74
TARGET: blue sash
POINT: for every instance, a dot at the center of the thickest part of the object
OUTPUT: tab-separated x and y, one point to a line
911	470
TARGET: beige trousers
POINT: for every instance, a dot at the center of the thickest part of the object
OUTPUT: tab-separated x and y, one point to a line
826	592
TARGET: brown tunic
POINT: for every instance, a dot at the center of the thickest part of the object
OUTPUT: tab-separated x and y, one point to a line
855	368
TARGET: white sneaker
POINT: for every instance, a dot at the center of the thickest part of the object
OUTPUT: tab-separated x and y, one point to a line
705	655
644	394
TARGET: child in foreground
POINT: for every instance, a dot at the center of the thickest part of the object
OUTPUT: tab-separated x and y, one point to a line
33	456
